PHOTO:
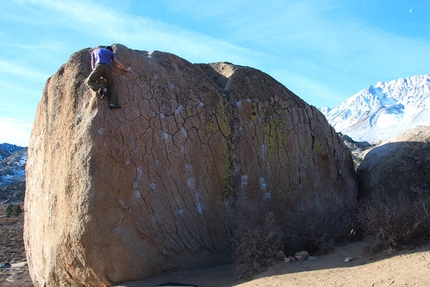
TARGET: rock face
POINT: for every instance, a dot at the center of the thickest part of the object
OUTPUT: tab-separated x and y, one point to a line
398	169
118	195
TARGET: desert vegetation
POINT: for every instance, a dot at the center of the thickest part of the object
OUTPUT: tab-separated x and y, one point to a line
13	210
395	224
258	236
256	240
390	226
12	246
318	230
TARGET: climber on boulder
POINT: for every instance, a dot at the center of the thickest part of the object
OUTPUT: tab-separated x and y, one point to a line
101	63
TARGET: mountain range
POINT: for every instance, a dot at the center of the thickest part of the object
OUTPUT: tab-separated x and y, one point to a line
379	112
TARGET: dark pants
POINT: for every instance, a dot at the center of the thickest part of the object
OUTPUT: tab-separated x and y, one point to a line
105	71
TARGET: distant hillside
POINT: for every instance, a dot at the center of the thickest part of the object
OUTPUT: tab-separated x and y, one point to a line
379	112
8	149
12	172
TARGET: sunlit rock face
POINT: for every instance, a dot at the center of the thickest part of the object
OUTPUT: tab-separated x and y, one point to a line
124	194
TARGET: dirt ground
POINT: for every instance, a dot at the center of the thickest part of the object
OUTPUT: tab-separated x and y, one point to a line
405	268
12	251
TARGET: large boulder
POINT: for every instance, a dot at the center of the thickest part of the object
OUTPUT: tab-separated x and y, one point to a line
117	195
398	169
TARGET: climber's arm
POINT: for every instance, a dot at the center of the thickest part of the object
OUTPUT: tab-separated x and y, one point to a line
121	66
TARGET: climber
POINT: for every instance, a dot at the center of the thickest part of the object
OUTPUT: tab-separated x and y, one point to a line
101	63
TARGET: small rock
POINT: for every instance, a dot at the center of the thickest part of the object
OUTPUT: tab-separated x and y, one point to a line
312	258
348	259
303	254
300	258
281	256
292	259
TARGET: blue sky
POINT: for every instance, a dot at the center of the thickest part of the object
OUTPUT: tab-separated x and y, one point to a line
323	50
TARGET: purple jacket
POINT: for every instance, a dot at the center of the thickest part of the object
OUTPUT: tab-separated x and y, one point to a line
102	56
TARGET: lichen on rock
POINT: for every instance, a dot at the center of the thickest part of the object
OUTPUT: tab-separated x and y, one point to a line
119	195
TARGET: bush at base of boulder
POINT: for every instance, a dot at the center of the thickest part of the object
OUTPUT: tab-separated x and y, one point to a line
396	224
318	230
256	241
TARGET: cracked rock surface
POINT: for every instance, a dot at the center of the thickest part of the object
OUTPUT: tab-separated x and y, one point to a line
125	194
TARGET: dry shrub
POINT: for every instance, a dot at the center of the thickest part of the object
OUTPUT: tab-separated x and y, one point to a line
318	230
13	210
395	224
256	240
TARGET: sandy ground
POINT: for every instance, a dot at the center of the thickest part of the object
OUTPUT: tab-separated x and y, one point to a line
405	268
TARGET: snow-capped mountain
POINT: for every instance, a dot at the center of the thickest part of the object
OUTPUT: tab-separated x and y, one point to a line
384	110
